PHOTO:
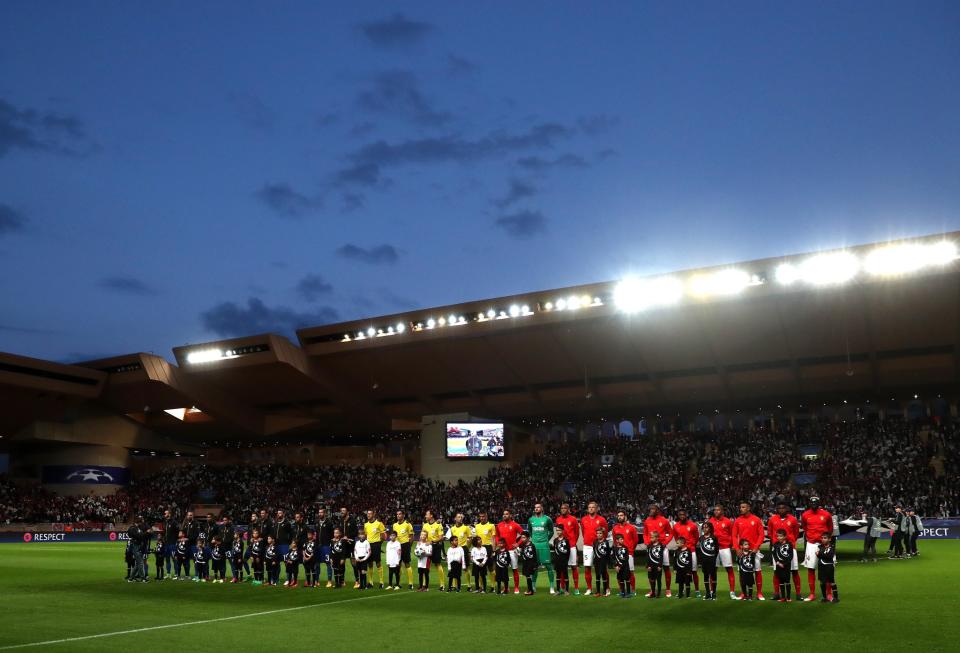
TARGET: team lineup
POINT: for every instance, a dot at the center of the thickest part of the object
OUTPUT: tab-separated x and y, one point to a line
681	550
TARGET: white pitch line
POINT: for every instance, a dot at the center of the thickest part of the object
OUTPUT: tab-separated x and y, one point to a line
192	623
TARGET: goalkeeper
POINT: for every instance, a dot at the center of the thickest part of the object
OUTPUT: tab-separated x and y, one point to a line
541	531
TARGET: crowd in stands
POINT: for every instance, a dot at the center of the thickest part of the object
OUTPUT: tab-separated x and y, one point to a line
874	465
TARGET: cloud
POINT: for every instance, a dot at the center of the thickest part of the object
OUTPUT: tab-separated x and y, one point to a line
252	110
128	286
396	32
593	125
352	201
379	255
11	220
312	286
540	164
397	92
42	131
286	201
327	119
443	149
524	224
361	174
457	66
229	319
362	129
518	190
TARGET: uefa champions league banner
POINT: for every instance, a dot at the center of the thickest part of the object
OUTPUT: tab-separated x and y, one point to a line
85	474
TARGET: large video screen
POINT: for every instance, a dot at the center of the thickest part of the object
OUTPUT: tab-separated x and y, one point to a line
474	441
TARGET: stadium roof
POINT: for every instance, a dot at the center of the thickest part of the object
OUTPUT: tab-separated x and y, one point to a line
871	321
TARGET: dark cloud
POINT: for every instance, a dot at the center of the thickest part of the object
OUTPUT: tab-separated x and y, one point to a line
229	319
252	110
312	286
603	155
128	286
598	124
362	129
11	220
41	131
361	174
396	32
352	201
379	255
443	149
287	201
517	190
524	224
541	164
397	92
457	66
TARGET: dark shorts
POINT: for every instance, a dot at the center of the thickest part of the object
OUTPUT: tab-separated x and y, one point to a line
437	555
375	553
405	552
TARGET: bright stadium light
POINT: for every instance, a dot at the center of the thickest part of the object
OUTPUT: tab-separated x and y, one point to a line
514	311
452	319
525	310
431	323
633	295
204	356
371	332
723	282
442	321
895	260
821	270
561	304
491	314
548	306
573	303
401	327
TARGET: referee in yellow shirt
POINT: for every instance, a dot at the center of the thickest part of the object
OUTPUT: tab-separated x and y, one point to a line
486	532
375	531
434	531
404	531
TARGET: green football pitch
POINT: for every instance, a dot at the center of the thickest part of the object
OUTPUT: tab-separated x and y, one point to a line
72	597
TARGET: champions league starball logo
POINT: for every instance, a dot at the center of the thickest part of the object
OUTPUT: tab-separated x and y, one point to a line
90	475
27	537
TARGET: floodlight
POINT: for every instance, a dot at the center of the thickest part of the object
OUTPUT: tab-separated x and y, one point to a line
548	306
561	304
894	260
431	323
371	332
204	356
573	303
723	282
491	313
829	269
632	295
401	327
514	310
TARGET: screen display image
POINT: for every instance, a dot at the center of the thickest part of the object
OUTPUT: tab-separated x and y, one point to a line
471	440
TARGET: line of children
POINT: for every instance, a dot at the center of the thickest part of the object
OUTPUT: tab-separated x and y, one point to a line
478	560
424	555
658	557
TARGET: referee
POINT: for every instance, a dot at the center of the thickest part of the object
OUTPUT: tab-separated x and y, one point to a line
404	531
375	531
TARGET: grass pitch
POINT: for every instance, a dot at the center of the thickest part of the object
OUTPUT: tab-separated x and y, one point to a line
72	597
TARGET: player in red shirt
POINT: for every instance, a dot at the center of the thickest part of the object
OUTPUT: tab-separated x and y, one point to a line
589	524
723	531
815	522
688	530
782	519
571	533
749	527
509	531
657	522
630	540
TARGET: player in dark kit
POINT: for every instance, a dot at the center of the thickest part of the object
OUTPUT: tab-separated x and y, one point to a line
826	570
747	564
783	553
602	554
529	560
683	562
560	554
657	558
621	559
708	548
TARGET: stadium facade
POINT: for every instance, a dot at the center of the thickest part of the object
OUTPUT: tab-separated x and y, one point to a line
867	328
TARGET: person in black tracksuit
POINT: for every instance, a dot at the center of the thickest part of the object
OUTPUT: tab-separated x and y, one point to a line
160	557
826	570
256	551
282	533
181	557
501	560
134	543
530	561
683	563
560	556
747	564
218	559
171	531
340	550
191	529
708	549
145	538
621	559
602	553
349	528
309	556
655	559
782	559
237	559
271	558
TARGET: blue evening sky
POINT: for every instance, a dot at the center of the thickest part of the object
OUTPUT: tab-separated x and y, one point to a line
176	172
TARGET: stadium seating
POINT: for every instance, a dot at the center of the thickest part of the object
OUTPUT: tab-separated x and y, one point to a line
863	464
